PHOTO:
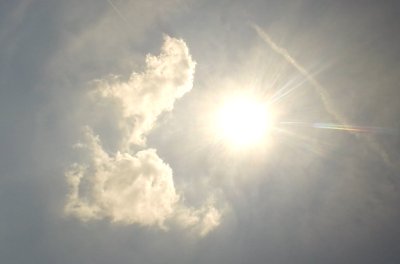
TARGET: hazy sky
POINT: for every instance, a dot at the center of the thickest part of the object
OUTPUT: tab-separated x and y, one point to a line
109	155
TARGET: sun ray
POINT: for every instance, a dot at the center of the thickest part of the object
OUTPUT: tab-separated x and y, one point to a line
324	96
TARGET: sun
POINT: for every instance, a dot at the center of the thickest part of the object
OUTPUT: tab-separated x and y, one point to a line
243	121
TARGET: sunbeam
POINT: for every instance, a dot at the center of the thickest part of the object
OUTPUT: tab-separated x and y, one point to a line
320	90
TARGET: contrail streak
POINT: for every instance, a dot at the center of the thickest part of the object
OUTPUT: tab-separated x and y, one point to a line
321	92
316	85
117	11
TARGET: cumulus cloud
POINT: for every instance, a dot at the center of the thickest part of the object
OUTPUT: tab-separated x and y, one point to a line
138	188
146	95
123	188
201	221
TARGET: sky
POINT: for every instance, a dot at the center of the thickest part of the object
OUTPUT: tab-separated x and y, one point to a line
110	154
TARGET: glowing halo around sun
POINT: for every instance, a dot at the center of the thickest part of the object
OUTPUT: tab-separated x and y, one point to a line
242	121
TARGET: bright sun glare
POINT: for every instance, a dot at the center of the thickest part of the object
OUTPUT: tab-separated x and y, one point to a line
243	121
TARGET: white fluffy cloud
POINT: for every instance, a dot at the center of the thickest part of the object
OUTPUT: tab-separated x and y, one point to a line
146	95
138	188
123	188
